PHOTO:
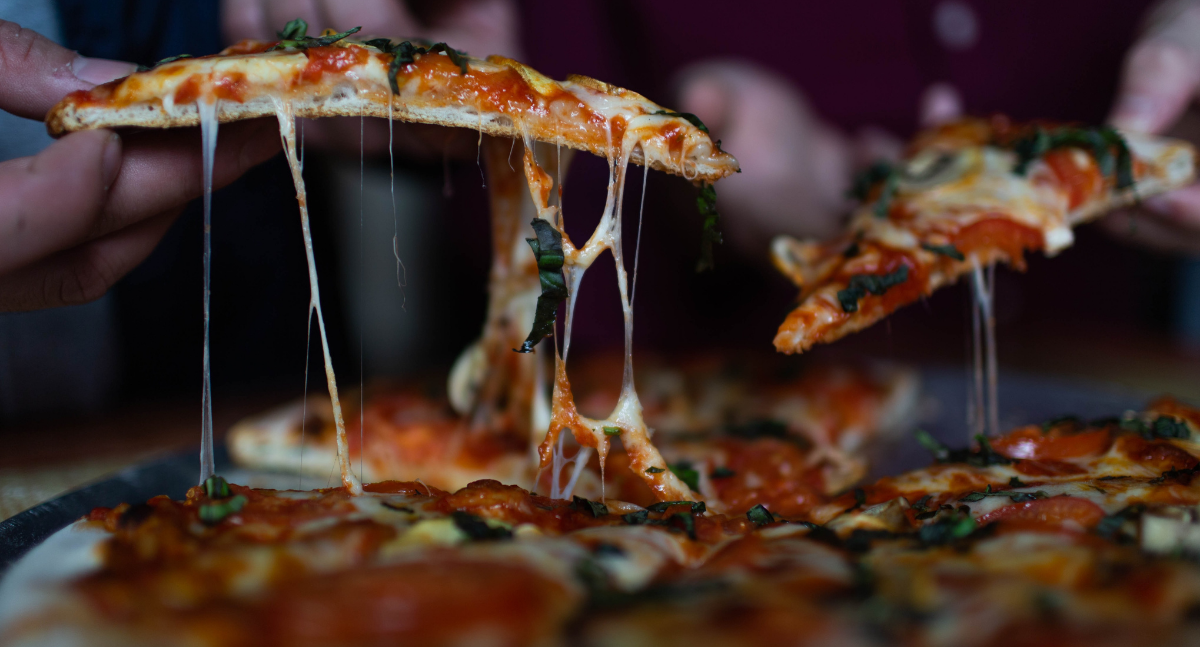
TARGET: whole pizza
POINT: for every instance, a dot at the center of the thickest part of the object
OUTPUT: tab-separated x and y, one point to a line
705	499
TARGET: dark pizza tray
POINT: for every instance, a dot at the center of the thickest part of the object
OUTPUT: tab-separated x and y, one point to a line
1023	399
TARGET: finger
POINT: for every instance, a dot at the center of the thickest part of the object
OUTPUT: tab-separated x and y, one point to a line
162	171
939	104
1180	207
244	19
1159	80
84	273
36	73
51	200
1146	229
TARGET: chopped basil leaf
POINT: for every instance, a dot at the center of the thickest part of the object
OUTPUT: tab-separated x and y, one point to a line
547	249
612	431
595	507
1136	425
721	472
706	203
169	59
685	522
405	53
687	474
1184	476
1016	497
403	508
851	251
982	457
478	529
1164	427
216	487
1101	142
860	497
1111	527
1015	482
636	518
213	513
922	504
945	250
946	530
876	284
698	507
868	178
760	516
295	36
654	470
688	117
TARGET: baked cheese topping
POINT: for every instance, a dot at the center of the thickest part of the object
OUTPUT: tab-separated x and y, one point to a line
970	193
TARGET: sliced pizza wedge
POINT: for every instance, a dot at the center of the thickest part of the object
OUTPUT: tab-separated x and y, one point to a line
966	194
337	76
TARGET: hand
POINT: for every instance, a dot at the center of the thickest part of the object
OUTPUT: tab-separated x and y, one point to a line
87	209
479	27
1157	95
796	168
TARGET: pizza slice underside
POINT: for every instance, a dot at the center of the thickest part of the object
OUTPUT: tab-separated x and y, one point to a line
499	97
967	195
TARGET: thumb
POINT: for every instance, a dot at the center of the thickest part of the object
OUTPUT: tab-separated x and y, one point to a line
1161	71
36	73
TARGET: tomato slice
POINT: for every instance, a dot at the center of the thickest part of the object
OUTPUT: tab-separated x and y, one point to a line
1032	444
1158	455
1054	511
1081	183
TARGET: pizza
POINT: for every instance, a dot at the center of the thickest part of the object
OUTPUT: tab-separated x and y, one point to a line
1070	532
740	420
336	75
966	194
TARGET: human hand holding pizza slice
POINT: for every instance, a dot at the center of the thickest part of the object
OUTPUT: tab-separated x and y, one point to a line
87	209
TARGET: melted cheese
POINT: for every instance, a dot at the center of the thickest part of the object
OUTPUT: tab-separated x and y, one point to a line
208	139
287	131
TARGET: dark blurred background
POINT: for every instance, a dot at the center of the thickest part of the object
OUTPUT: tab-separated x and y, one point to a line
1102	303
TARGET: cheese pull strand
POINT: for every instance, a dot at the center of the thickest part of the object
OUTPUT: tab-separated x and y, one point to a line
208	142
287	131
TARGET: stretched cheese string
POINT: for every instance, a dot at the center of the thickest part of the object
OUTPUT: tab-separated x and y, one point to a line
627	415
362	271
983	413
208	140
287	131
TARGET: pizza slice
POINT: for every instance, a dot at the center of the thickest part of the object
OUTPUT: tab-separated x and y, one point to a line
966	194
334	75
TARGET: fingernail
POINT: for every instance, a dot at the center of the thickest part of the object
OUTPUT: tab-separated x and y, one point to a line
111	160
100	70
1136	113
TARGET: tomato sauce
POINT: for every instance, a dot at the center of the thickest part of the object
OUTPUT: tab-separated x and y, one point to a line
1054	511
1033	443
332	60
1081	184
1158	455
999	232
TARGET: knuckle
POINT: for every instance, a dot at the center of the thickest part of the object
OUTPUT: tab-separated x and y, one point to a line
17	46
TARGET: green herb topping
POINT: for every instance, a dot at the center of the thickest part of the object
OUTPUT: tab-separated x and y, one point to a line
216	487
871	176
877	284
945	250
213	513
1017	497
687	474
405	53
654	470
706	203
478	529
946	529
595	507
1102	142
295	36
753	429
698	507
759	515
982	457
612	431
721	472
169	59
547	249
